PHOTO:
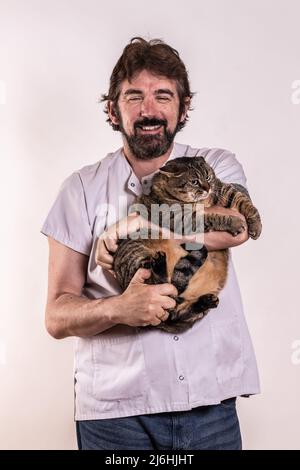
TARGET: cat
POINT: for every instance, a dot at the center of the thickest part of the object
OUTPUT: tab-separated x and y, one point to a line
197	274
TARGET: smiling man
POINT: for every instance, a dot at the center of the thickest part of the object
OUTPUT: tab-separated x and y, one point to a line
137	388
147	114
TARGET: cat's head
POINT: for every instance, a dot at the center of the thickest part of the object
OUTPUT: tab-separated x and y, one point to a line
187	179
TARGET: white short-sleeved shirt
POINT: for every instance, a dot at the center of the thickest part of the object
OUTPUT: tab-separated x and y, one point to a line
127	371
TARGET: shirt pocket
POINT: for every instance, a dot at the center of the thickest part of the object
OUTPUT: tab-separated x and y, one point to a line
227	344
119	367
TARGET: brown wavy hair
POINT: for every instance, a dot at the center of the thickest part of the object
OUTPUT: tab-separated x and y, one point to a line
155	56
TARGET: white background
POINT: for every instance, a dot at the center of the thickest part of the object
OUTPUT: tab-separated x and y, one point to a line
56	57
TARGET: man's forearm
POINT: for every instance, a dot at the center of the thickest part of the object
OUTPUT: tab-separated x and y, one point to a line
221	240
71	315
218	240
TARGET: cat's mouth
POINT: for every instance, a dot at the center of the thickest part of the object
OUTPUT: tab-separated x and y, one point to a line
203	195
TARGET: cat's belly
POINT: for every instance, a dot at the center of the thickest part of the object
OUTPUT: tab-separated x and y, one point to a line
210	278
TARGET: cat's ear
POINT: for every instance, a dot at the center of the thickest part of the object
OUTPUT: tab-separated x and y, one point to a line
172	169
200	160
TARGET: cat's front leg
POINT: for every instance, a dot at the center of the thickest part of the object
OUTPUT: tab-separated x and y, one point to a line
237	197
224	223
254	223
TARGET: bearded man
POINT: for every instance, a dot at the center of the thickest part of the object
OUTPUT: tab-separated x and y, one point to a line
141	388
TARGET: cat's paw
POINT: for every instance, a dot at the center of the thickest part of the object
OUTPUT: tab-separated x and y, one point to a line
146	263
236	226
159	265
205	302
254	229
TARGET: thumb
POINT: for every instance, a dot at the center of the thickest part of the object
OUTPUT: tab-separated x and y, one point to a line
140	276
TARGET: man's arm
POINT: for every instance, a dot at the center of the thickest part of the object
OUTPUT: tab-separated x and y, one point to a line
221	240
69	314
107	245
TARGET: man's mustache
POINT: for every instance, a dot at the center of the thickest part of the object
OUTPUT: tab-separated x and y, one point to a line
150	122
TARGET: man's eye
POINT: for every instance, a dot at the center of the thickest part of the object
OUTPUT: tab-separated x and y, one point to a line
135	98
163	98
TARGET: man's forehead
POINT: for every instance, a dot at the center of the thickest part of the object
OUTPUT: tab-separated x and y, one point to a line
148	81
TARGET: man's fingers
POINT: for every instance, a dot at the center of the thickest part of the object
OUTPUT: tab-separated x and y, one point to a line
166	289
140	276
110	245
161	315
156	321
167	302
128	224
106	266
165	316
105	258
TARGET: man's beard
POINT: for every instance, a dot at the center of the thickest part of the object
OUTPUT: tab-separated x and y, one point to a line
148	147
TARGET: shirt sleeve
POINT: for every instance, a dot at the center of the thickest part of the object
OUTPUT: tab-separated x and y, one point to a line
67	221
229	170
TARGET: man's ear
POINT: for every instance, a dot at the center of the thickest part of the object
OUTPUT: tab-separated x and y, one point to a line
187	102
112	112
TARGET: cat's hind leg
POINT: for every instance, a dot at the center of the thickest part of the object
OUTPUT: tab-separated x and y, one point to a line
186	267
157	263
201	294
129	257
182	320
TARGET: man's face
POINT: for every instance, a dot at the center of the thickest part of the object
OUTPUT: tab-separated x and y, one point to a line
148	114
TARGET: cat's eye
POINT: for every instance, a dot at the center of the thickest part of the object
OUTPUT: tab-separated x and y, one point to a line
195	182
209	178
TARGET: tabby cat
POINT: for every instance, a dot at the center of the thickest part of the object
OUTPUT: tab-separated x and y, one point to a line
197	274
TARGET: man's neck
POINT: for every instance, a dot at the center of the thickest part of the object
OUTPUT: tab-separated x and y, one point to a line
145	167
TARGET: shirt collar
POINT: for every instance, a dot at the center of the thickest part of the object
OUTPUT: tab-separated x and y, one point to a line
137	187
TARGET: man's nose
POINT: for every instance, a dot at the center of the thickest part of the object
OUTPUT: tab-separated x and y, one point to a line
148	107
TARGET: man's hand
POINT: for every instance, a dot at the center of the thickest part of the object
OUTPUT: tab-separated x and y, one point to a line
107	242
142	304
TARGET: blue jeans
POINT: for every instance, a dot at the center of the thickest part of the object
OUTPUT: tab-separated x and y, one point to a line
214	427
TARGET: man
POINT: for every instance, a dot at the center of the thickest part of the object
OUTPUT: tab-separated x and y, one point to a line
137	388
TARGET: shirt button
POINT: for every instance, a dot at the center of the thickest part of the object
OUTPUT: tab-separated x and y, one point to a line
175	338
132	184
181	377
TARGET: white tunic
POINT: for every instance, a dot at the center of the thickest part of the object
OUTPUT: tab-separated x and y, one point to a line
127	371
